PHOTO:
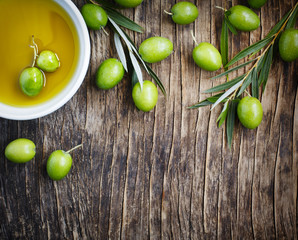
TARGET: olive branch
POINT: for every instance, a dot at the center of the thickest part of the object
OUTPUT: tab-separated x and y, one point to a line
256	77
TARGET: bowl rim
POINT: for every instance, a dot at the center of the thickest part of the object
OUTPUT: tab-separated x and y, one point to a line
53	104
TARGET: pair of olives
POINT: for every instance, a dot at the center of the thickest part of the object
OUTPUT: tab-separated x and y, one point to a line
111	72
207	56
23	150
152	50
32	78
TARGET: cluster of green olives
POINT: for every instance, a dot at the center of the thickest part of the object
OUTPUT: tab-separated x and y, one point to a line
206	56
111	71
23	150
32	79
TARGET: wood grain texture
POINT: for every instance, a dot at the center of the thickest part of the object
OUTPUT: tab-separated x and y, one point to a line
166	174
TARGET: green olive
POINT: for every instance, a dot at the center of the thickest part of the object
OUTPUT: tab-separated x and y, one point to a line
31	81
184	13
250	112
109	74
288	45
207	57
243	18
256	3
59	164
129	3
155	49
94	16
20	150
146	98
48	61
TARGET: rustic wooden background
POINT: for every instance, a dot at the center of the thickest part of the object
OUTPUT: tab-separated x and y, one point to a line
166	174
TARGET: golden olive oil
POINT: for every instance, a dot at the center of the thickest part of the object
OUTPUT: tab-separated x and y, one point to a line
52	29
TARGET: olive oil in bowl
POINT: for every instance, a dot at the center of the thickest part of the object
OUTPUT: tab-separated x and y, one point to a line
53	30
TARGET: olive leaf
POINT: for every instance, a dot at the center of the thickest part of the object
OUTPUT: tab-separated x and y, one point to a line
230	25
120	51
224	43
227	93
134	78
263	77
254	85
292	19
137	68
251	49
233	69
206	102
223	115
277	27
119	18
156	80
246	83
225	85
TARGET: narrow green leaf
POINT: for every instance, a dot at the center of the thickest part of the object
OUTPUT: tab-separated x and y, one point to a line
230	25
203	103
252	48
233	69
157	80
254	84
137	68
225	85
292	20
134	78
214	98
227	93
275	29
206	102
231	122
224	43
245	84
264	74
123	21
223	115
261	63
120	51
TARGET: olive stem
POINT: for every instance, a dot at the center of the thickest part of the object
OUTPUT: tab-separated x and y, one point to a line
169	13
95	3
224	9
193	37
103	29
35	48
75	148
247	93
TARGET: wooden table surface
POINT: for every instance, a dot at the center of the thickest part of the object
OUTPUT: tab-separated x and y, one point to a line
166	174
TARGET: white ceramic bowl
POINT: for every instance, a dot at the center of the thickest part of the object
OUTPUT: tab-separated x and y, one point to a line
33	112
